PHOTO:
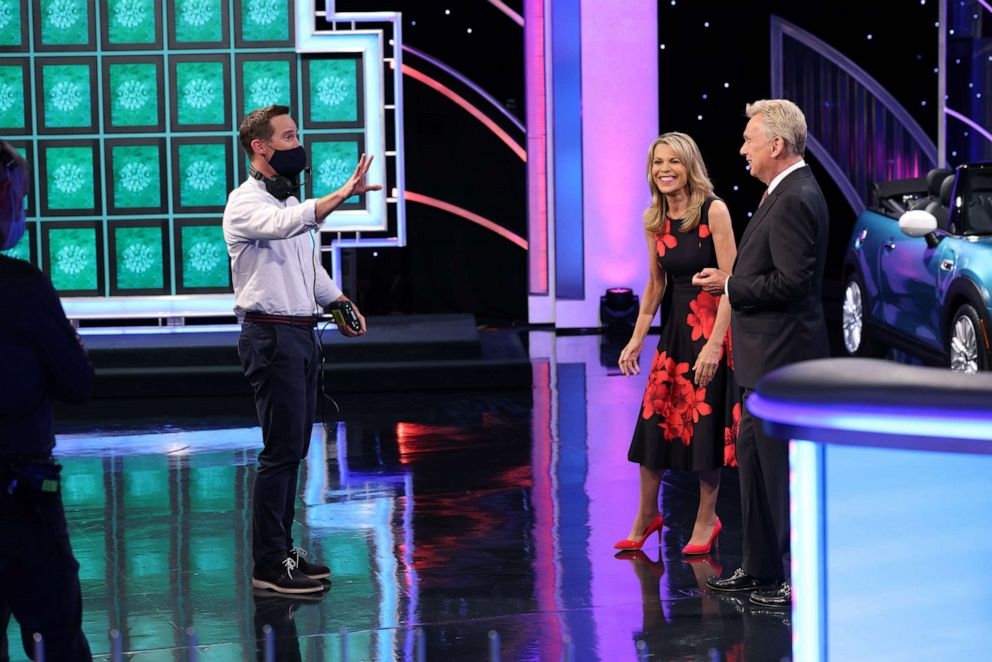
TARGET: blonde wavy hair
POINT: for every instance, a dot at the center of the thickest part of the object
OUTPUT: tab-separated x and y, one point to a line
699	185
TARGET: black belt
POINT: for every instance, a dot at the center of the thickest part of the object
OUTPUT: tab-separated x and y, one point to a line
292	320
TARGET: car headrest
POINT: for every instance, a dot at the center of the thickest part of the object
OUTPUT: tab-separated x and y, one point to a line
935	178
946	188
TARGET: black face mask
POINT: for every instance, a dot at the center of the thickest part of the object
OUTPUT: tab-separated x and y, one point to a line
289	162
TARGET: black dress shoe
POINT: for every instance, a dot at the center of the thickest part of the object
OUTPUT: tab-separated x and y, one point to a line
779	597
284	578
739	581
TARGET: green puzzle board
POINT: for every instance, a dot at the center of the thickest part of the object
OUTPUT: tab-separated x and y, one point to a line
128	112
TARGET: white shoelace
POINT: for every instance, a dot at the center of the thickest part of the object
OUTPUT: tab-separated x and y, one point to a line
290	566
299	551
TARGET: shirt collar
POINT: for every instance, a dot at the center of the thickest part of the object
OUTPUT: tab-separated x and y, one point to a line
785	173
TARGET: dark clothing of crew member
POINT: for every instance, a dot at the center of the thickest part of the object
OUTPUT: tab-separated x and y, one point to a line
43	361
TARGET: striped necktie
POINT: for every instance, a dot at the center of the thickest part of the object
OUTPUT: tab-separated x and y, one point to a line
764	196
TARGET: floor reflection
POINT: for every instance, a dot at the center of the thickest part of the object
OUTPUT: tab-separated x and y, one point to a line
455	513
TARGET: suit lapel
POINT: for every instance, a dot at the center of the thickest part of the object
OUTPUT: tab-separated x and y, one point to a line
791	180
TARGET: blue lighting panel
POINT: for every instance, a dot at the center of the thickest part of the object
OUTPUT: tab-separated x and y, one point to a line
567	148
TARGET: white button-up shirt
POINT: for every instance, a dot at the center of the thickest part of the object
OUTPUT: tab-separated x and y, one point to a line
275	255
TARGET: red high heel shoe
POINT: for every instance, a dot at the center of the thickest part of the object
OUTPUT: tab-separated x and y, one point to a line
627	544
704	549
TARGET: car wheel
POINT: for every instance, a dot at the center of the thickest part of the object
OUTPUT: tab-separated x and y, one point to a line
857	337
966	348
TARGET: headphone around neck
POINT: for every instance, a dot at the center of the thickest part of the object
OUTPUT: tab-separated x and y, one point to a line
279	187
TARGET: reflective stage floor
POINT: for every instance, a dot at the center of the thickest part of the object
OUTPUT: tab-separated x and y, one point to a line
453	512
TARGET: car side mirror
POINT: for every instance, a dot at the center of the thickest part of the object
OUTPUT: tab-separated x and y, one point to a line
920	223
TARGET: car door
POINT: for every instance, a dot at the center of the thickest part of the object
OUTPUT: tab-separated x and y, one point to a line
871	230
909	272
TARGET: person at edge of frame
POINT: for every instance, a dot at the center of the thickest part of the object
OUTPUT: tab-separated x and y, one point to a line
43	360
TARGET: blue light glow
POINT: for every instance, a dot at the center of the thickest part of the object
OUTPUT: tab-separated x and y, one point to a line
808	542
916	422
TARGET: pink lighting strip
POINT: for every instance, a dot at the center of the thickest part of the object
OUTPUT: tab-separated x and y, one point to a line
537	147
467	106
517	18
467	215
970	122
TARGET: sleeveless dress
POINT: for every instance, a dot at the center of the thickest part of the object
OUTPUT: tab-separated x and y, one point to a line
682	426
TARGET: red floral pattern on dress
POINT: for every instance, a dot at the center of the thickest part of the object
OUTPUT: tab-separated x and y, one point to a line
703	315
730	438
665	240
673	398
704	231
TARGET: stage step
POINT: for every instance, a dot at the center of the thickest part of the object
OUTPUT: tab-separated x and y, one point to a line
423	352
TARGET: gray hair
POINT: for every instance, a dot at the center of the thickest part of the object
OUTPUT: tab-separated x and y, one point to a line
782	119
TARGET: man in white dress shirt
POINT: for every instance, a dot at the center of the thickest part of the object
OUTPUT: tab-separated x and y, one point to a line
280	288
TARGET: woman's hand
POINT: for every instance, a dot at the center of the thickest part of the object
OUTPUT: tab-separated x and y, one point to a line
707	363
628	359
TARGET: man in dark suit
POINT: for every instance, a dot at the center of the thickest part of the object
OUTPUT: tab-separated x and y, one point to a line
777	320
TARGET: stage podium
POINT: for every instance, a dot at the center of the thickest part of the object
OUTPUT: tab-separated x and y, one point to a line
891	490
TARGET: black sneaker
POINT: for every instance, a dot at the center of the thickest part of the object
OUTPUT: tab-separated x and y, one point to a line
311	570
284	577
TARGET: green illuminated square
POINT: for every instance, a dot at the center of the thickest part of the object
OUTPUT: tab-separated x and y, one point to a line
202	175
133	94
200	89
333	90
198	20
333	163
264	20
10	23
69	178
64	22
131	21
266	83
68	93
204	256
73	259
21	250
139	258
11	97
211	489
137	176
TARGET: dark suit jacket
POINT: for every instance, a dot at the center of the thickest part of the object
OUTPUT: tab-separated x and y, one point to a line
775	290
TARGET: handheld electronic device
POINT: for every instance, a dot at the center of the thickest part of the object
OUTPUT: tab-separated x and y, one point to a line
344	315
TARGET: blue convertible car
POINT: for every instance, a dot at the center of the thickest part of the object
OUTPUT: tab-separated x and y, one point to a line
918	270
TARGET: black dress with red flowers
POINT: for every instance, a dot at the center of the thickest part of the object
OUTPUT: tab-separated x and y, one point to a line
683	426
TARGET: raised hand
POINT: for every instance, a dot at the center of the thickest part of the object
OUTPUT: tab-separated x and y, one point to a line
356	184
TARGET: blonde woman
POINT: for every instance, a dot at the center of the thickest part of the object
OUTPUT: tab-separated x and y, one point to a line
691	407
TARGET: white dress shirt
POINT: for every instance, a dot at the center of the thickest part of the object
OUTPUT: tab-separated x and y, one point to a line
275	257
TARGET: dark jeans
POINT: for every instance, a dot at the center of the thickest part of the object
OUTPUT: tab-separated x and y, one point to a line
281	363
763	467
39	579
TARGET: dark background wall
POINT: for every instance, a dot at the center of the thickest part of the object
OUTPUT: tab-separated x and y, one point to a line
451	265
895	42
